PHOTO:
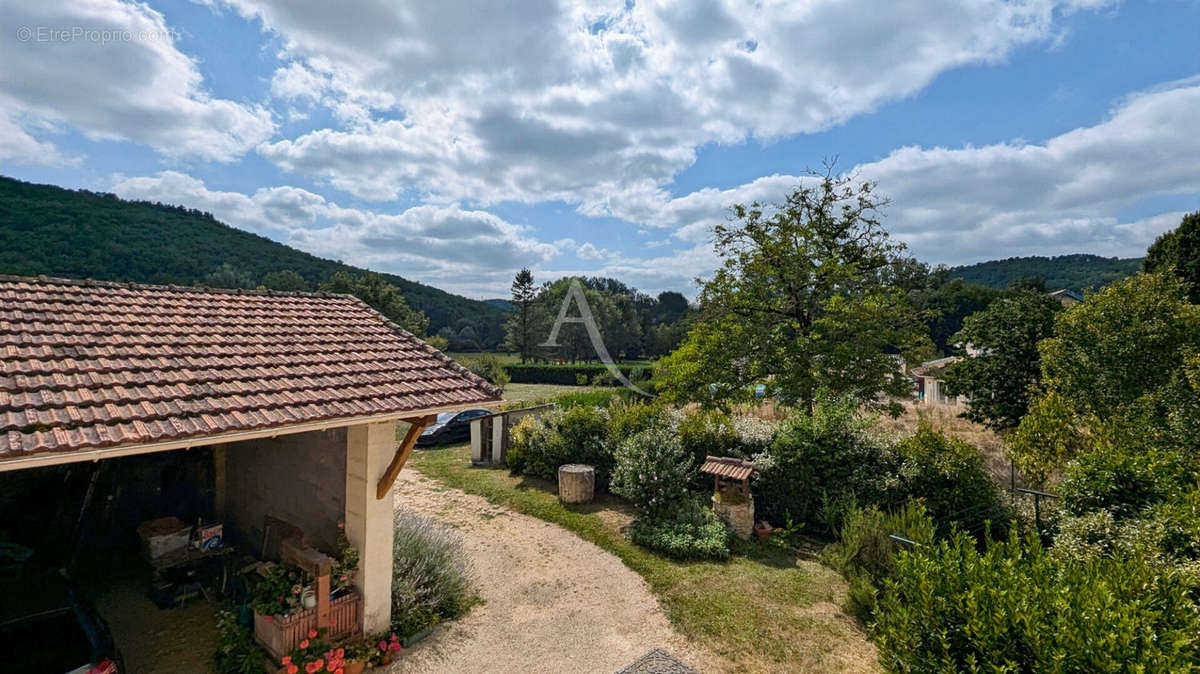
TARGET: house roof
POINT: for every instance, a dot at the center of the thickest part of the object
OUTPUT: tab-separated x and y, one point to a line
1066	293
90	364
934	368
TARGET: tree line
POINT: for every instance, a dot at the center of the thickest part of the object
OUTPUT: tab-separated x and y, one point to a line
633	325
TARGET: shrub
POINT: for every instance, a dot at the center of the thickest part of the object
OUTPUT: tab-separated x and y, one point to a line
430	574
652	471
865	552
1121	479
864	543
949	477
823	459
541	443
1014	607
692	533
237	652
489	367
629	417
1167	533
715	433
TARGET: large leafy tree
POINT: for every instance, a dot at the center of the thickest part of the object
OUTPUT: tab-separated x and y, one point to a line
381	296
798	303
1003	369
1179	249
1124	342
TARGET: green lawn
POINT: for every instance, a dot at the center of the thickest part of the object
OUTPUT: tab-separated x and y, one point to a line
765	610
527	392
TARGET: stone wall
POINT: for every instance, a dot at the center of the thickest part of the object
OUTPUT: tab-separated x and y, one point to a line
299	478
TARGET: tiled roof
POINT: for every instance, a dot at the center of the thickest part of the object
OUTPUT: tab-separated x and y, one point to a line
89	364
722	466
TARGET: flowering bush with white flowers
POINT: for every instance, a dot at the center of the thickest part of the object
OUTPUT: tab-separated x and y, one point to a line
652	470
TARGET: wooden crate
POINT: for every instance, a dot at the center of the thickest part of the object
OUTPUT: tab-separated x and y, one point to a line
283	635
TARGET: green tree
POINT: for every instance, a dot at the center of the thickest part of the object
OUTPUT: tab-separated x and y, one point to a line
227	276
1179	249
798	305
946	302
1045	439
518	327
286	280
1124	342
381	296
1004	372
574	343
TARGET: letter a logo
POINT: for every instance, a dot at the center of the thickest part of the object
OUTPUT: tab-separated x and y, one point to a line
575	292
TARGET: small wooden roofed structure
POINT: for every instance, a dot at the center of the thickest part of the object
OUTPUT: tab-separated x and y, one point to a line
731	477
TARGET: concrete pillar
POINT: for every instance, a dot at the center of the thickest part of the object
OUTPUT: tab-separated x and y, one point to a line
369	521
499	439
477	443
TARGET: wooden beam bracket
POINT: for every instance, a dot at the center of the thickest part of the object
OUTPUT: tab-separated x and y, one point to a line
417	425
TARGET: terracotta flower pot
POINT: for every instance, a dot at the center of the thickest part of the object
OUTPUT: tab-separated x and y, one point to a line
354	667
763	530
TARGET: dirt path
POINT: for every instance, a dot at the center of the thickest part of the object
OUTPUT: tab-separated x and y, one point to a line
552	601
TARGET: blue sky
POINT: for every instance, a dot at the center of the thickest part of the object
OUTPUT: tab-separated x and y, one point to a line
453	146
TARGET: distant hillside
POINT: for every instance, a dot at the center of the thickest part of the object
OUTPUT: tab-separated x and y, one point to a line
1077	272
80	234
503	305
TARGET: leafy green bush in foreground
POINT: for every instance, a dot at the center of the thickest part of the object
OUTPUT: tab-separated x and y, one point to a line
1017	608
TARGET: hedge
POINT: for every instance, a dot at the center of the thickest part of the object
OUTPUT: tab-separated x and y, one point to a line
572	374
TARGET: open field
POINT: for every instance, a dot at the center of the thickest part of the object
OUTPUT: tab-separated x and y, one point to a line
946	420
528	392
765	610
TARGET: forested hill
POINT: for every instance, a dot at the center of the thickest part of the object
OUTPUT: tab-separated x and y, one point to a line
78	234
1077	272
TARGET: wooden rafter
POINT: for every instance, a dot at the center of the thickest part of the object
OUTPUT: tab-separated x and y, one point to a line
417	425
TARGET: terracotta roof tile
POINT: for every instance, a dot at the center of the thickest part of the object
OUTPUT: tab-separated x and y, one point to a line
86	364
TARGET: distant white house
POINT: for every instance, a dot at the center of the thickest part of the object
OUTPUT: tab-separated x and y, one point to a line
931	387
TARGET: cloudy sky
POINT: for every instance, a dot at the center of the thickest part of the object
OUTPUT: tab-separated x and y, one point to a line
455	142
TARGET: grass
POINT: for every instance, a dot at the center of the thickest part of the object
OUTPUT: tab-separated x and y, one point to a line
504	358
527	392
764	610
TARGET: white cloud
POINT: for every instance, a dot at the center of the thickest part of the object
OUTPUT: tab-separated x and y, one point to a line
583	101
974	203
112	70
18	146
466	251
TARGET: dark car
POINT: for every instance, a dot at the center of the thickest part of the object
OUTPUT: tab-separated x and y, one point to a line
450	427
47	628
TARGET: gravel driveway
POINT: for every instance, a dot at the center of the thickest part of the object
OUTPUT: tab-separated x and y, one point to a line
552	601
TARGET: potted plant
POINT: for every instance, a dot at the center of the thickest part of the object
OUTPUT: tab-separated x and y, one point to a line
358	656
763	530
